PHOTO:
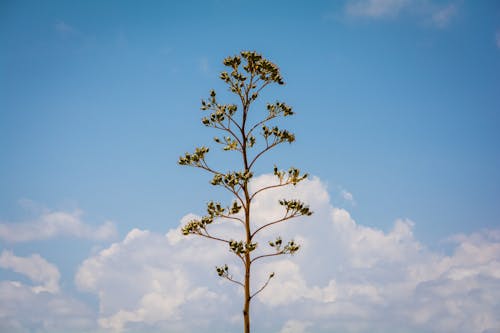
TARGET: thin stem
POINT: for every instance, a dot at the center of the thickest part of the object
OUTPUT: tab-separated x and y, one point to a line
235	281
205	166
232	218
206	235
285	218
268	188
224	128
262	288
268	147
268	255
260	123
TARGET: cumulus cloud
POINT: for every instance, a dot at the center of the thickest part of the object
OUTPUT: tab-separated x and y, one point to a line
346	278
437	14
23	310
167	281
50	224
41	306
34	267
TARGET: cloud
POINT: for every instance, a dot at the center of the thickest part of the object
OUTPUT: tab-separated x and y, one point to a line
441	17
22	310
346	278
375	8
347	196
34	267
437	14
204	65
51	224
41	306
63	29
168	281
295	326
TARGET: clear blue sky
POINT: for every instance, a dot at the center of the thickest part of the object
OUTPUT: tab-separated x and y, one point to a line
398	105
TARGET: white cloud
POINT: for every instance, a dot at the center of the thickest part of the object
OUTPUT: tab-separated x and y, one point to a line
441	17
433	12
165	278
375	8
34	267
204	65
347	195
63	29
41	306
346	278
295	326
23	310
50	224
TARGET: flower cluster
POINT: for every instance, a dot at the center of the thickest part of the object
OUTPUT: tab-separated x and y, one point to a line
296	207
240	247
195	158
293	175
231	179
290	248
279	135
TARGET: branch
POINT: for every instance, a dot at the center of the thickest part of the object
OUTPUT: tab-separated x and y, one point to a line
224	272
268	255
207	235
205	166
235	123
227	129
262	87
234	281
268	188
232	218
286	217
264	286
260	123
268	147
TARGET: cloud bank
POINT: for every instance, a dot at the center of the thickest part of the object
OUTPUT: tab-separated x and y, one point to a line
39	305
346	278
51	224
432	12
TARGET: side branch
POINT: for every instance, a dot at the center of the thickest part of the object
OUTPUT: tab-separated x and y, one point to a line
268	255
268	188
207	235
268	147
224	272
283	219
234	281
263	287
262	122
232	218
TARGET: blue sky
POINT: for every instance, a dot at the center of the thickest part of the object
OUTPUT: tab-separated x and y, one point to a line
397	115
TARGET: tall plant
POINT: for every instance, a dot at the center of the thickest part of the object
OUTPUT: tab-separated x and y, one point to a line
249	73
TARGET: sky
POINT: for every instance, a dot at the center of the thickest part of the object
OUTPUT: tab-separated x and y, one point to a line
397	122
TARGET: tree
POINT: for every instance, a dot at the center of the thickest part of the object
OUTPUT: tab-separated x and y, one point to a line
249	74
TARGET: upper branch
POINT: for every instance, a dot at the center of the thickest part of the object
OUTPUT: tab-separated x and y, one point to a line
294	208
292	177
276	136
214	211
